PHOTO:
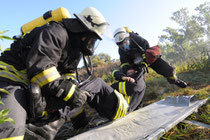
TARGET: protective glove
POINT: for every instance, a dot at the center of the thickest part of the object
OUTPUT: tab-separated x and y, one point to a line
79	98
71	94
180	83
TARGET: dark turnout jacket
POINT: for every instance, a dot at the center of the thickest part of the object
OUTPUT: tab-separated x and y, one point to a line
44	47
136	90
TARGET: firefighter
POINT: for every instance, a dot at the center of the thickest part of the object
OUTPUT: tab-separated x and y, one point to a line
43	61
136	56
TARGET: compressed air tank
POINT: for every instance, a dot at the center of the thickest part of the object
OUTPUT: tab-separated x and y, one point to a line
55	15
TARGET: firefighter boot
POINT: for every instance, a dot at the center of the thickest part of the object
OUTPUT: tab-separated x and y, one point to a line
47	131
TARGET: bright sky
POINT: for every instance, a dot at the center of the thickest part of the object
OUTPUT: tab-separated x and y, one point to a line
147	17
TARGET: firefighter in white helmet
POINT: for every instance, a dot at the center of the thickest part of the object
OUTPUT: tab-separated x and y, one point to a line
136	56
47	59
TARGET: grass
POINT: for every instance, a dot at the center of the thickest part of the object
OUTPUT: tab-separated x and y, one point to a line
197	78
198	81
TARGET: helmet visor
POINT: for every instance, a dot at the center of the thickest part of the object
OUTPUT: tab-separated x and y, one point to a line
89	45
120	37
125	44
100	28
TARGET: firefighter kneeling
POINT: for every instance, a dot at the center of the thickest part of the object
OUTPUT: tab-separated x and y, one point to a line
46	57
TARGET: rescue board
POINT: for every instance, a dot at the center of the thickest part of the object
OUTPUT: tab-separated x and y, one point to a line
147	123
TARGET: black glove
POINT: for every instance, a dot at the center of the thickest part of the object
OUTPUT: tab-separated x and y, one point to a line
71	94
180	83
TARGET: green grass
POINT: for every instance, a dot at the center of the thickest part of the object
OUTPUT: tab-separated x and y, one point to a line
197	78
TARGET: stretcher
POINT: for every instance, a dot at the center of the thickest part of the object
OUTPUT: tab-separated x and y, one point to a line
147	123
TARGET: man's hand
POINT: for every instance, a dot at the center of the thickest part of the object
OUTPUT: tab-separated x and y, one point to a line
129	79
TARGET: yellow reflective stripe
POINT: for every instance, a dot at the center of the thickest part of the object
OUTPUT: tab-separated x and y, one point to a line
7	49
125	108
122	88
121	110
144	56
14	138
81	110
122	106
119	106
125	92
46	76
144	64
124	64
70	93
173	77
44	113
118	110
120	85
114	72
128	99
69	75
4	91
11	76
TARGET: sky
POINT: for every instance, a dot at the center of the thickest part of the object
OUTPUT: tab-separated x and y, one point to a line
147	17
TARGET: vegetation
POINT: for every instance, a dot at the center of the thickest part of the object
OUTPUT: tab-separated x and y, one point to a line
5	112
191	39
188	49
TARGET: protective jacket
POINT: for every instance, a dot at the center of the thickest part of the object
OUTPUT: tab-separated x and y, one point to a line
134	92
44	56
47	56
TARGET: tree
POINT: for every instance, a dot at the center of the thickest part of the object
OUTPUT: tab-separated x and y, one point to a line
100	59
192	36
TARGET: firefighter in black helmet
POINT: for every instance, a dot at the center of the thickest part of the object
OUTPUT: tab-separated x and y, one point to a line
135	56
45	58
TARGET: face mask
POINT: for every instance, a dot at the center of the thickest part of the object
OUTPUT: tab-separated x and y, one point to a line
89	45
125	45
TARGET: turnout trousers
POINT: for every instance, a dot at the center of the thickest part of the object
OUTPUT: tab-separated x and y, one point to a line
102	97
132	92
14	98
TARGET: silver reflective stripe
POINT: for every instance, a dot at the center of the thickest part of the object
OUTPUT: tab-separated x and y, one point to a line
59	92
46	76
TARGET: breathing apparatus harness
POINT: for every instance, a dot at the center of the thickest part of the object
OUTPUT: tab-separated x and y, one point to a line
139	60
36	100
88	63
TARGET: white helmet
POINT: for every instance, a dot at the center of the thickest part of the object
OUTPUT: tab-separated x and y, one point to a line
120	34
93	20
